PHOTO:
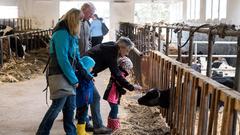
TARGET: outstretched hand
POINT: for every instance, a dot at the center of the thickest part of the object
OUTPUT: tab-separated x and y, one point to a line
137	87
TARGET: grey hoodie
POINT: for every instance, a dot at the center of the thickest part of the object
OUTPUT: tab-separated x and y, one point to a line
85	37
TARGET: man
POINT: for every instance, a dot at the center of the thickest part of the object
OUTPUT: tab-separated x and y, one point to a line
105	55
88	10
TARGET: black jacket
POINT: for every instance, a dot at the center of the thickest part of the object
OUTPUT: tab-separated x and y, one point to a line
105	55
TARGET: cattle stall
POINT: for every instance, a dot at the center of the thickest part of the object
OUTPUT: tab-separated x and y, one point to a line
157	70
19	24
16	45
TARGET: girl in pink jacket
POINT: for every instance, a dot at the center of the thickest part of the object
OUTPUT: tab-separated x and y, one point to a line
114	92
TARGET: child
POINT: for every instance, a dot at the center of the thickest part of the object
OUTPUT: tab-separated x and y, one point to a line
84	96
114	92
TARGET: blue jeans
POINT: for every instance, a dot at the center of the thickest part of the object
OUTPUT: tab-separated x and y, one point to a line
67	105
82	114
95	110
114	111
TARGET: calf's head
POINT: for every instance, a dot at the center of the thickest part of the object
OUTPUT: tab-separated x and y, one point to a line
156	97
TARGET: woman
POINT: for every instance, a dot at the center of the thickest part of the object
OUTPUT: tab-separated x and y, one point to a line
64	61
96	30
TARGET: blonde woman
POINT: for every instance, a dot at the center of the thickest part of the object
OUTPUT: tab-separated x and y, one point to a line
64	61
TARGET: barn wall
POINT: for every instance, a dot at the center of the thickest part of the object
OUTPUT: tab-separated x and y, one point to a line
120	12
8	2
233	10
43	12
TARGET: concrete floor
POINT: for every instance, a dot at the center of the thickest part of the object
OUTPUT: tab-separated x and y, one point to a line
22	106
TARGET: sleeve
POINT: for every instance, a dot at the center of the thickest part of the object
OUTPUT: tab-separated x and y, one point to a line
116	73
82	71
62	47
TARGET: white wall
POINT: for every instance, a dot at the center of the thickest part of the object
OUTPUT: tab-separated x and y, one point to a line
44	12
120	12
233	12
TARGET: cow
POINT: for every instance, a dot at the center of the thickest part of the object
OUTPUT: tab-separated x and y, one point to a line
15	44
156	97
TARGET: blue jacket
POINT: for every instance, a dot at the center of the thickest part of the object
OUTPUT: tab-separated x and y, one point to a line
66	46
85	89
84	92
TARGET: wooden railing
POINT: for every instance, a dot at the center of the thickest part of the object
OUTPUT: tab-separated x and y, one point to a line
183	116
218	110
19	24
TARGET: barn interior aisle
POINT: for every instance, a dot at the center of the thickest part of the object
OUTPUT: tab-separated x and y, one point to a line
23	105
160	67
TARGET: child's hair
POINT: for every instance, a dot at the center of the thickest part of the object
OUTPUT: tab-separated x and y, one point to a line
125	63
88	62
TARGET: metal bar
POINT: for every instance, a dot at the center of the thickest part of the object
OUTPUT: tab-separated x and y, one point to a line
159	39
179	37
205	30
226	56
167	41
190	49
16	45
210	49
1	51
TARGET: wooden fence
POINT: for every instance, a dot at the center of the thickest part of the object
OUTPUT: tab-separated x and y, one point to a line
183	116
219	105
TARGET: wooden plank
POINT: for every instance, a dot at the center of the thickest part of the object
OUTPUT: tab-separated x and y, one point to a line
172	101
178	96
213	111
184	103
225	117
191	125
215	119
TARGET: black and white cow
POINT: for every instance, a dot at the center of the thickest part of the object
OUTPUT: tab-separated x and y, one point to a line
15	44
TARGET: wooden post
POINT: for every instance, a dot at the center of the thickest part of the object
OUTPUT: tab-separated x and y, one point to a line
211	39
237	83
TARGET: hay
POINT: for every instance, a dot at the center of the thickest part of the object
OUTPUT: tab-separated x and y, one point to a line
24	69
140	120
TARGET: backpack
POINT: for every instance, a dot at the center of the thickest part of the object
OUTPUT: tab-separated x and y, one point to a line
104	29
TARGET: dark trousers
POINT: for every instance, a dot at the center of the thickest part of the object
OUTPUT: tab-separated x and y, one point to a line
114	111
96	40
82	113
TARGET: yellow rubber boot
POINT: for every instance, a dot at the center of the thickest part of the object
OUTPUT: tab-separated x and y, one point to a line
81	129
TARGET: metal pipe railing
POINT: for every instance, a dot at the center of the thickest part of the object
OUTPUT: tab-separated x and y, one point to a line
32	35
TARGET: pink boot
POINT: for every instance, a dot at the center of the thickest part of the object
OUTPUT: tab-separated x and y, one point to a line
114	124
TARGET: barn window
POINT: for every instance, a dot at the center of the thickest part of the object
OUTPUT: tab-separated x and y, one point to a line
176	13
8	11
193	9
149	12
216	9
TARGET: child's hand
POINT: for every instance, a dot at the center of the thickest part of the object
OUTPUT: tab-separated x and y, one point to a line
76	85
137	87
